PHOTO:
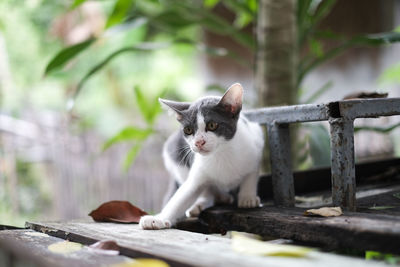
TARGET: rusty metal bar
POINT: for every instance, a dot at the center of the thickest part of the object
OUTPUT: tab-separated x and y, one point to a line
341	115
342	163
281	168
369	108
289	114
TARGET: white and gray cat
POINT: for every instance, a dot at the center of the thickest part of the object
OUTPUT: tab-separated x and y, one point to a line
216	151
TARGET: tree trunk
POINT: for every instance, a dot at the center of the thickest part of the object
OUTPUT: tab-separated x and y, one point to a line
276	56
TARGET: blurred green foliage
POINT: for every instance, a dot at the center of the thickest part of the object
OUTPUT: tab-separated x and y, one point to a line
388	258
31	192
169	21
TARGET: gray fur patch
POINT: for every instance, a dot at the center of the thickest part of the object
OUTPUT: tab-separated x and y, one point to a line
211	111
179	150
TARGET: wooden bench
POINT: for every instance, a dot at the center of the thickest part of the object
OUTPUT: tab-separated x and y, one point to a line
176	247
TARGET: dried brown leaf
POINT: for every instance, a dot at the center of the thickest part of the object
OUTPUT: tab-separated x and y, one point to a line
324	212
108	247
117	211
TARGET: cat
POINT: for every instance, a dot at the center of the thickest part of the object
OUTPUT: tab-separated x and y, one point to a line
217	150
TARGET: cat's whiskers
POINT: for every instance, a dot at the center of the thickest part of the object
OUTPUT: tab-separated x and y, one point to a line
187	152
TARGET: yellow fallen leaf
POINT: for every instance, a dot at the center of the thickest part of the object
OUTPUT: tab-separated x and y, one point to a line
142	263
246	245
37	234
64	247
325	212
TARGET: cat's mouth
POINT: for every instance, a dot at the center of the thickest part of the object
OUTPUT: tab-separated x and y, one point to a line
201	151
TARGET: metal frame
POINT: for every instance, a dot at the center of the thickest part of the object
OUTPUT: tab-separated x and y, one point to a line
341	116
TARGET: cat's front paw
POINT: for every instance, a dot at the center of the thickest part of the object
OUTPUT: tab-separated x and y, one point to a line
149	222
248	201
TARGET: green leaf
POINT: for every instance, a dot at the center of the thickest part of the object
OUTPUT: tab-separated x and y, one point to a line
149	109
141	47
210	3
217	24
316	48
377	129
302	10
67	54
391	75
381	207
239	7
322	10
77	3
174	19
148	47
242	20
310	13
388	258
131	156
362	40
119	12
128	134
371	255
220	26
396	195
252	5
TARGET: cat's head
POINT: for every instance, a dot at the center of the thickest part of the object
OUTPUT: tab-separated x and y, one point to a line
210	121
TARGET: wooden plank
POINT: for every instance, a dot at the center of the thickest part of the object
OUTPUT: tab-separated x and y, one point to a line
27	248
182	247
353	230
383	202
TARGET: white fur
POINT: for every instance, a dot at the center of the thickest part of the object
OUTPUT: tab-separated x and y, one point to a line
227	165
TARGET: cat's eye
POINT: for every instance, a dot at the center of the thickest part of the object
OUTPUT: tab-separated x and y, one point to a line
212	126
188	130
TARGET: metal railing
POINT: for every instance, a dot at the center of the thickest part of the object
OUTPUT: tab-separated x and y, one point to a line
341	116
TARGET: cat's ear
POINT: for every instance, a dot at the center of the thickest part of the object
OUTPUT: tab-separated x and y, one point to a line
177	107
232	99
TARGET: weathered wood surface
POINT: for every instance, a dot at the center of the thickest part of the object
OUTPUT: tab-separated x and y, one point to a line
181	247
353	230
386	200
26	248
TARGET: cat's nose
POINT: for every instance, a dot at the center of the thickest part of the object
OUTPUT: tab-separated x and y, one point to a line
200	143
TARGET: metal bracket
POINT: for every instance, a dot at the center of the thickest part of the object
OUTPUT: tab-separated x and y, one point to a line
341	116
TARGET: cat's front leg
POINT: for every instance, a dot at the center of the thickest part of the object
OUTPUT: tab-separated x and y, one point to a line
204	201
175	208
247	197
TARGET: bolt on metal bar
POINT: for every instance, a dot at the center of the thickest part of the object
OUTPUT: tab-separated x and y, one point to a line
281	169
342	163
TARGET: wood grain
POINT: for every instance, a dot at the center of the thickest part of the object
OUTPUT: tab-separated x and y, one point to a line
352	230
182	248
25	248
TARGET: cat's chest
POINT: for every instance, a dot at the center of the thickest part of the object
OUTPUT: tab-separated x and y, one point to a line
227	168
